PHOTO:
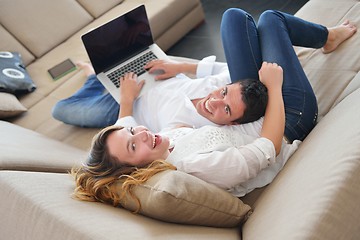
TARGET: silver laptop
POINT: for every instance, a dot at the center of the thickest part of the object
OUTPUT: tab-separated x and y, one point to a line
125	44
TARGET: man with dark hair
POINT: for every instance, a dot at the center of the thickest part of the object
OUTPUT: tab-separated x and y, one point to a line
209	99
254	95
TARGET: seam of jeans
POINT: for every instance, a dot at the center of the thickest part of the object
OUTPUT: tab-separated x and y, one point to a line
248	37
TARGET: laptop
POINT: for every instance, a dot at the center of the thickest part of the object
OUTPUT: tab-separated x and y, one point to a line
124	44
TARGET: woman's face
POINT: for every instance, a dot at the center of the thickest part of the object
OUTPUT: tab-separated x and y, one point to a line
137	146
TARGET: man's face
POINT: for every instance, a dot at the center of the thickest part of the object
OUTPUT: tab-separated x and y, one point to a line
222	106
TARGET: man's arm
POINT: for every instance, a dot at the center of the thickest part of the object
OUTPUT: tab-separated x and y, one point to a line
129	91
169	68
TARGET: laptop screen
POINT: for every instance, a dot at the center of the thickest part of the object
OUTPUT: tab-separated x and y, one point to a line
118	40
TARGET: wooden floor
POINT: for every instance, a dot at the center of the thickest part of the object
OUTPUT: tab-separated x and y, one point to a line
205	40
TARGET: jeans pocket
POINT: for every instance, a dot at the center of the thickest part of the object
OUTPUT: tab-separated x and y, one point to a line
294	128
298	124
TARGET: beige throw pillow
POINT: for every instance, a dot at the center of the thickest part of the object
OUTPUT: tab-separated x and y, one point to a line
177	197
10	106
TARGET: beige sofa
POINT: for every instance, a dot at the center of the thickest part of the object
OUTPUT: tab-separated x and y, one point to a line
315	196
47	33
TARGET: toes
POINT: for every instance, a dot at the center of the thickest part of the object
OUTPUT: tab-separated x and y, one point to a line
346	22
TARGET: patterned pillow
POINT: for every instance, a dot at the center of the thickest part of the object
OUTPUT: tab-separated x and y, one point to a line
13	75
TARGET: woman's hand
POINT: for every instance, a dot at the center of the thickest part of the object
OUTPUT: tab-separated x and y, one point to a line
129	90
169	68
271	75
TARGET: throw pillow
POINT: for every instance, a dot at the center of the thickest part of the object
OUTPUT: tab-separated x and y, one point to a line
177	197
13	75
10	106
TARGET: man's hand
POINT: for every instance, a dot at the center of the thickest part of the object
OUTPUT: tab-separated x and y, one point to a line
129	87
169	68
129	91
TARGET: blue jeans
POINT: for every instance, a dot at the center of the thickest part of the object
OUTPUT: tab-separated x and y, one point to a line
246	46
90	106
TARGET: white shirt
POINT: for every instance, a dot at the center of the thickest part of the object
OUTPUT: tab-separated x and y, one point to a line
169	104
234	158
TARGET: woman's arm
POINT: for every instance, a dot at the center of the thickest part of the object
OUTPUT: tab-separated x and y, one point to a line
227	167
273	127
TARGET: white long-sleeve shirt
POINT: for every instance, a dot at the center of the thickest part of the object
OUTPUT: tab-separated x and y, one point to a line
234	158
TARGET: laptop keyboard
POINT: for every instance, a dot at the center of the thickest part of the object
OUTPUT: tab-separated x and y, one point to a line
136	66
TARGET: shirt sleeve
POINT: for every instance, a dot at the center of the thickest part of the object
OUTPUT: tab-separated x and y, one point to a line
128	121
208	66
231	166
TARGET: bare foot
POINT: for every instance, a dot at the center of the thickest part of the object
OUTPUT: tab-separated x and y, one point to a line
338	35
86	67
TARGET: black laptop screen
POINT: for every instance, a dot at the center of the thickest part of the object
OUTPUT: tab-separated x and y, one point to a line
118	40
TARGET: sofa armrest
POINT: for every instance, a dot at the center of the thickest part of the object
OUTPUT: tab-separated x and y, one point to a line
26	150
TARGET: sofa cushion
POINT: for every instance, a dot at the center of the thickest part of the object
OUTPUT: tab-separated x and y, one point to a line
10	43
97	8
315	195
10	106
39	206
162	13
174	196
23	149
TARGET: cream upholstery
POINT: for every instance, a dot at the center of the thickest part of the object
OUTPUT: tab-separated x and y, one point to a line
9	42
315	196
39	206
97	8
35	152
51	22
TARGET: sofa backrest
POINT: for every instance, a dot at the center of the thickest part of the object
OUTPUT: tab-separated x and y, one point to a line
335	75
96	8
34	27
9	43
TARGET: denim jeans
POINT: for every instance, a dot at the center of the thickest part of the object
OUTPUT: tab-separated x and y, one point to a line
90	106
247	45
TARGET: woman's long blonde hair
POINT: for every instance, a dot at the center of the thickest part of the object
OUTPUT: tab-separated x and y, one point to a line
98	178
